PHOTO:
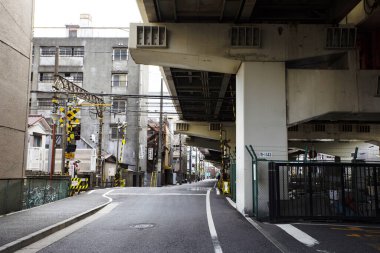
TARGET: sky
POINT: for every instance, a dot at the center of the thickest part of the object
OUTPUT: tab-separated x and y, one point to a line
58	13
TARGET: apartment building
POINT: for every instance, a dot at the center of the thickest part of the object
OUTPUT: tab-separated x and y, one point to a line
101	66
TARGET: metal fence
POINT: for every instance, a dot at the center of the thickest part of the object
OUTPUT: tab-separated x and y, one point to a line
18	194
336	191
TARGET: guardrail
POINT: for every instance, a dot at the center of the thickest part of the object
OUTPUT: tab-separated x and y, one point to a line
23	193
337	191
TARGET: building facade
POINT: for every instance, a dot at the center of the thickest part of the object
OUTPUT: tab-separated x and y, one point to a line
15	47
101	66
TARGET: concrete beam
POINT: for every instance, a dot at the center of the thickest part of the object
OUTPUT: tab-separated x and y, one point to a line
222	92
210	144
207	47
356	16
246	12
168	79
201	130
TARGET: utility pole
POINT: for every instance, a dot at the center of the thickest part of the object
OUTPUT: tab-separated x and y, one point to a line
54	116
196	164
117	150
190	164
99	147
64	135
160	141
180	156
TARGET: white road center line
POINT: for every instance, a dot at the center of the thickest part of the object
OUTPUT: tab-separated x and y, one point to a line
37	246
299	235
211	226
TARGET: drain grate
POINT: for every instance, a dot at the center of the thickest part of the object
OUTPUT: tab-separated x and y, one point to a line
143	226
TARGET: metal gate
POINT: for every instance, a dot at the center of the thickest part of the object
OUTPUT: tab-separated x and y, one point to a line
338	191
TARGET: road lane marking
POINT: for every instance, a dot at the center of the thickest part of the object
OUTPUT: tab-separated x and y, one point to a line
105	196
157	194
90	192
298	234
41	244
217	191
211	226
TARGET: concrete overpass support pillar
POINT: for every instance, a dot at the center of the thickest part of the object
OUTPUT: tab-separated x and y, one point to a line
260	121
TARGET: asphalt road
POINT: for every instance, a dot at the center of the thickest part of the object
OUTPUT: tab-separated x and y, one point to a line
175	219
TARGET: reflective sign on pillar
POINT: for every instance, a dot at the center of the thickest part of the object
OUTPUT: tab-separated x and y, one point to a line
150	153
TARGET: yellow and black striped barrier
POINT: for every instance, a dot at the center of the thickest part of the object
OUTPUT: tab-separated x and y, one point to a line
78	185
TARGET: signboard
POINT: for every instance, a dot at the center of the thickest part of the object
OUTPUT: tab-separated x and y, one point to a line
265	154
150	153
69	155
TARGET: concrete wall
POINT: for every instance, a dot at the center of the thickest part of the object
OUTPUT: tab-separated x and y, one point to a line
312	93
15	45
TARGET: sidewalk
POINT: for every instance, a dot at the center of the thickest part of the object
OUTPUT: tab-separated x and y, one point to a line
27	226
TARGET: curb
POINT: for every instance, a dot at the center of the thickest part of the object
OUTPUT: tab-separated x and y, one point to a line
40	234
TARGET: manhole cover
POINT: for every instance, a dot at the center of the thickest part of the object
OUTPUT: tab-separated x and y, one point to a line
142	226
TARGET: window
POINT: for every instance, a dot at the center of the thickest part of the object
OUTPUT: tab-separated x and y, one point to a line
119	80
293	128
44	103
46	77
71	51
120	54
76	77
47	51
118	106
37	141
114	130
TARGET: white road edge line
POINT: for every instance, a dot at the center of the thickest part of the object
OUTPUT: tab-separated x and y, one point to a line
217	191
211	226
298	234
43	243
90	192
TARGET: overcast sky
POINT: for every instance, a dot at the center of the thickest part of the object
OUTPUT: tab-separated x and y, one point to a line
58	13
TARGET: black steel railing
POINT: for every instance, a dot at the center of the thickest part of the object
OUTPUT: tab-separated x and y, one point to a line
336	191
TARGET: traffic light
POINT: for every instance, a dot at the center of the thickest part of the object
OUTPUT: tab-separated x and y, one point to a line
76	131
70	148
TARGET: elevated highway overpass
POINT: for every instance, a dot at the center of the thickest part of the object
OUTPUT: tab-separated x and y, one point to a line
257	68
